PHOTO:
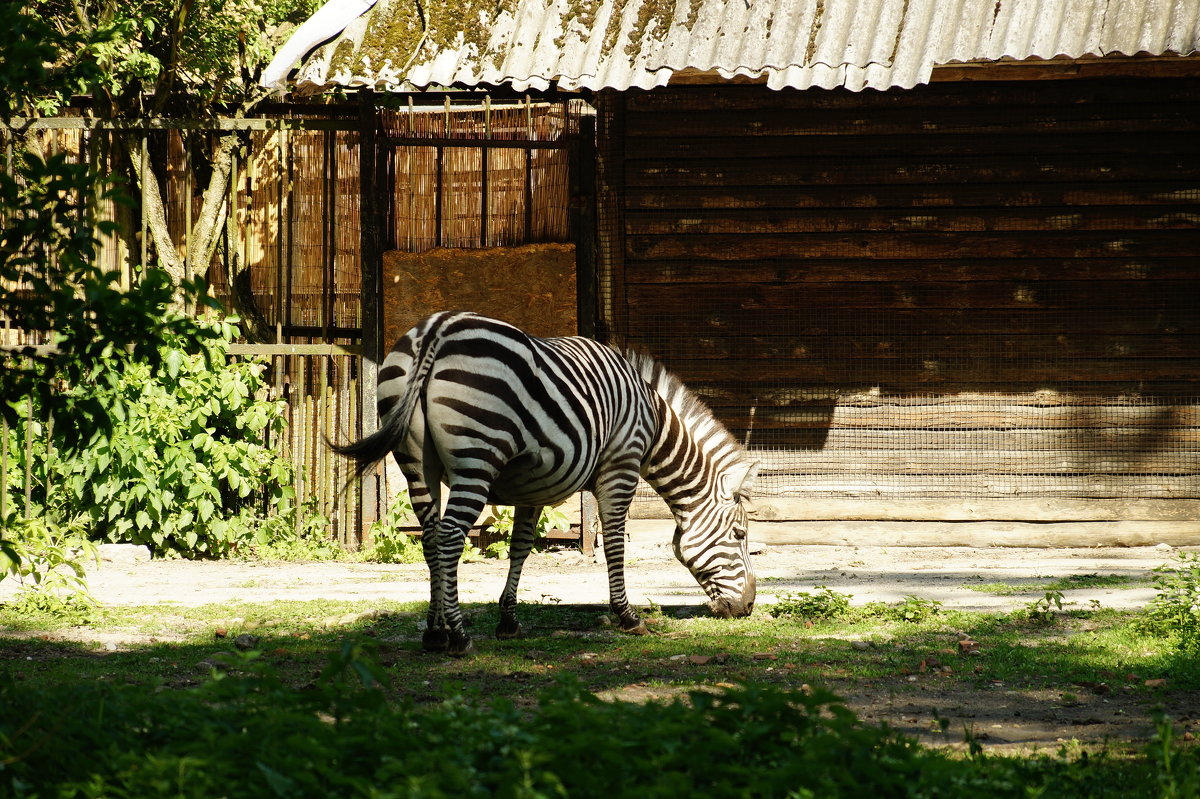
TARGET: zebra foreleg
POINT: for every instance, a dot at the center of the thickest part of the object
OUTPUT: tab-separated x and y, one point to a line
613	493
524	523
614	557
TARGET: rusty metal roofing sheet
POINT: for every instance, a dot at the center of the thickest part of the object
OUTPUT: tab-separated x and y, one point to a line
594	44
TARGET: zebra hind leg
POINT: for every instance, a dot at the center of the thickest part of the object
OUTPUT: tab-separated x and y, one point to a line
524	523
445	618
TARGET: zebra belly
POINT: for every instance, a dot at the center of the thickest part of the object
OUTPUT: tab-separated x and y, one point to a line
528	481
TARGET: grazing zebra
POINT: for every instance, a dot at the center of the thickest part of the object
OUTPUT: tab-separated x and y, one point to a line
502	417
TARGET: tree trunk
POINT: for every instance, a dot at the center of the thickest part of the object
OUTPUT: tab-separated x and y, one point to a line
207	229
205	235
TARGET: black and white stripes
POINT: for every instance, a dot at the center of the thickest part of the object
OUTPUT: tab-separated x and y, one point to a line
501	417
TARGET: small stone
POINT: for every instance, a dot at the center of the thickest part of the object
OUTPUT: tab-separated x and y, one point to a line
109	646
968	646
862	646
700	660
246	641
764	656
123	554
220	632
1158	682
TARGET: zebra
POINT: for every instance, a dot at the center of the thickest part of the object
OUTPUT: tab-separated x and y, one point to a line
502	417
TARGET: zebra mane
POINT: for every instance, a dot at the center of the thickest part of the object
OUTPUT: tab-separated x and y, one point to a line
692	411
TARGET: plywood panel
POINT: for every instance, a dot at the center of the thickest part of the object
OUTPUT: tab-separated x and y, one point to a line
532	286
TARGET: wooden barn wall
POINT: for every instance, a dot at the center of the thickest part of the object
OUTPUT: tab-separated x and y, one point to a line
978	290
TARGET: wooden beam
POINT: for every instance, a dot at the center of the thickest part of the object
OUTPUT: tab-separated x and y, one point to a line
293	349
979	534
1070	69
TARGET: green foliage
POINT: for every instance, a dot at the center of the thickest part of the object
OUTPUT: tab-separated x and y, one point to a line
1175	610
387	542
912	609
32	73
1042	610
48	561
825	604
184	469
209	51
294	532
501	523
50	282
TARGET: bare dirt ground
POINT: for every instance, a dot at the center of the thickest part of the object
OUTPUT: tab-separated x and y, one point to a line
1000	716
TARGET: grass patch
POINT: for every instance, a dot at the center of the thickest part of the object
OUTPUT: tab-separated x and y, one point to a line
1068	583
335	698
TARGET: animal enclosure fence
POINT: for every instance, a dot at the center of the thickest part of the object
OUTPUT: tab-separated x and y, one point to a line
290	258
903	300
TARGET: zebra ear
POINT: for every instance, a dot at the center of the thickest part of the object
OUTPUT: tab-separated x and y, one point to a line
736	481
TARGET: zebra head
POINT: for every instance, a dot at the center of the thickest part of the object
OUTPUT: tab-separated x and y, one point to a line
713	543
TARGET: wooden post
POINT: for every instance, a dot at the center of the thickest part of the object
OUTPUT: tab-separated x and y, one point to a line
583	224
370	291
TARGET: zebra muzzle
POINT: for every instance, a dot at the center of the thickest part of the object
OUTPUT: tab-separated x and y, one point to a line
724	607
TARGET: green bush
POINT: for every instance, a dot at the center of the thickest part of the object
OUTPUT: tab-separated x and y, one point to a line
184	468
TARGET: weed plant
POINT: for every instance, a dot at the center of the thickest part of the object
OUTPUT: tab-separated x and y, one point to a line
1175	611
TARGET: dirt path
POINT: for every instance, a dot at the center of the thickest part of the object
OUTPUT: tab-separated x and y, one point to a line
654	575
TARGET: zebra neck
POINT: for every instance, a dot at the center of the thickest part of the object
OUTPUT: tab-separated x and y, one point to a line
679	467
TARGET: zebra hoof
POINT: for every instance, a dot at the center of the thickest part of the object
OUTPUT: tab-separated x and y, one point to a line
435	640
637	628
460	646
508	629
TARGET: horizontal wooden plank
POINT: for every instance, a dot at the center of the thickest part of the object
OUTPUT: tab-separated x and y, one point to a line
736	318
799	269
979	534
1177	190
865	484
985	347
267	350
774	221
864	245
883	171
934	372
1180	444
951	462
946	417
842	144
1042	510
1006	120
746	98
697	298
1140	67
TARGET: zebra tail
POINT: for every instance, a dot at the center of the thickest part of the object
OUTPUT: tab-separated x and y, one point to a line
368	451
393	427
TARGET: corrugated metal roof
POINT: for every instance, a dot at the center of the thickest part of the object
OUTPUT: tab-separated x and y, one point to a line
594	44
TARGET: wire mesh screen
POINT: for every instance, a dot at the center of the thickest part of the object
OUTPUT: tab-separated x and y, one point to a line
969	290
